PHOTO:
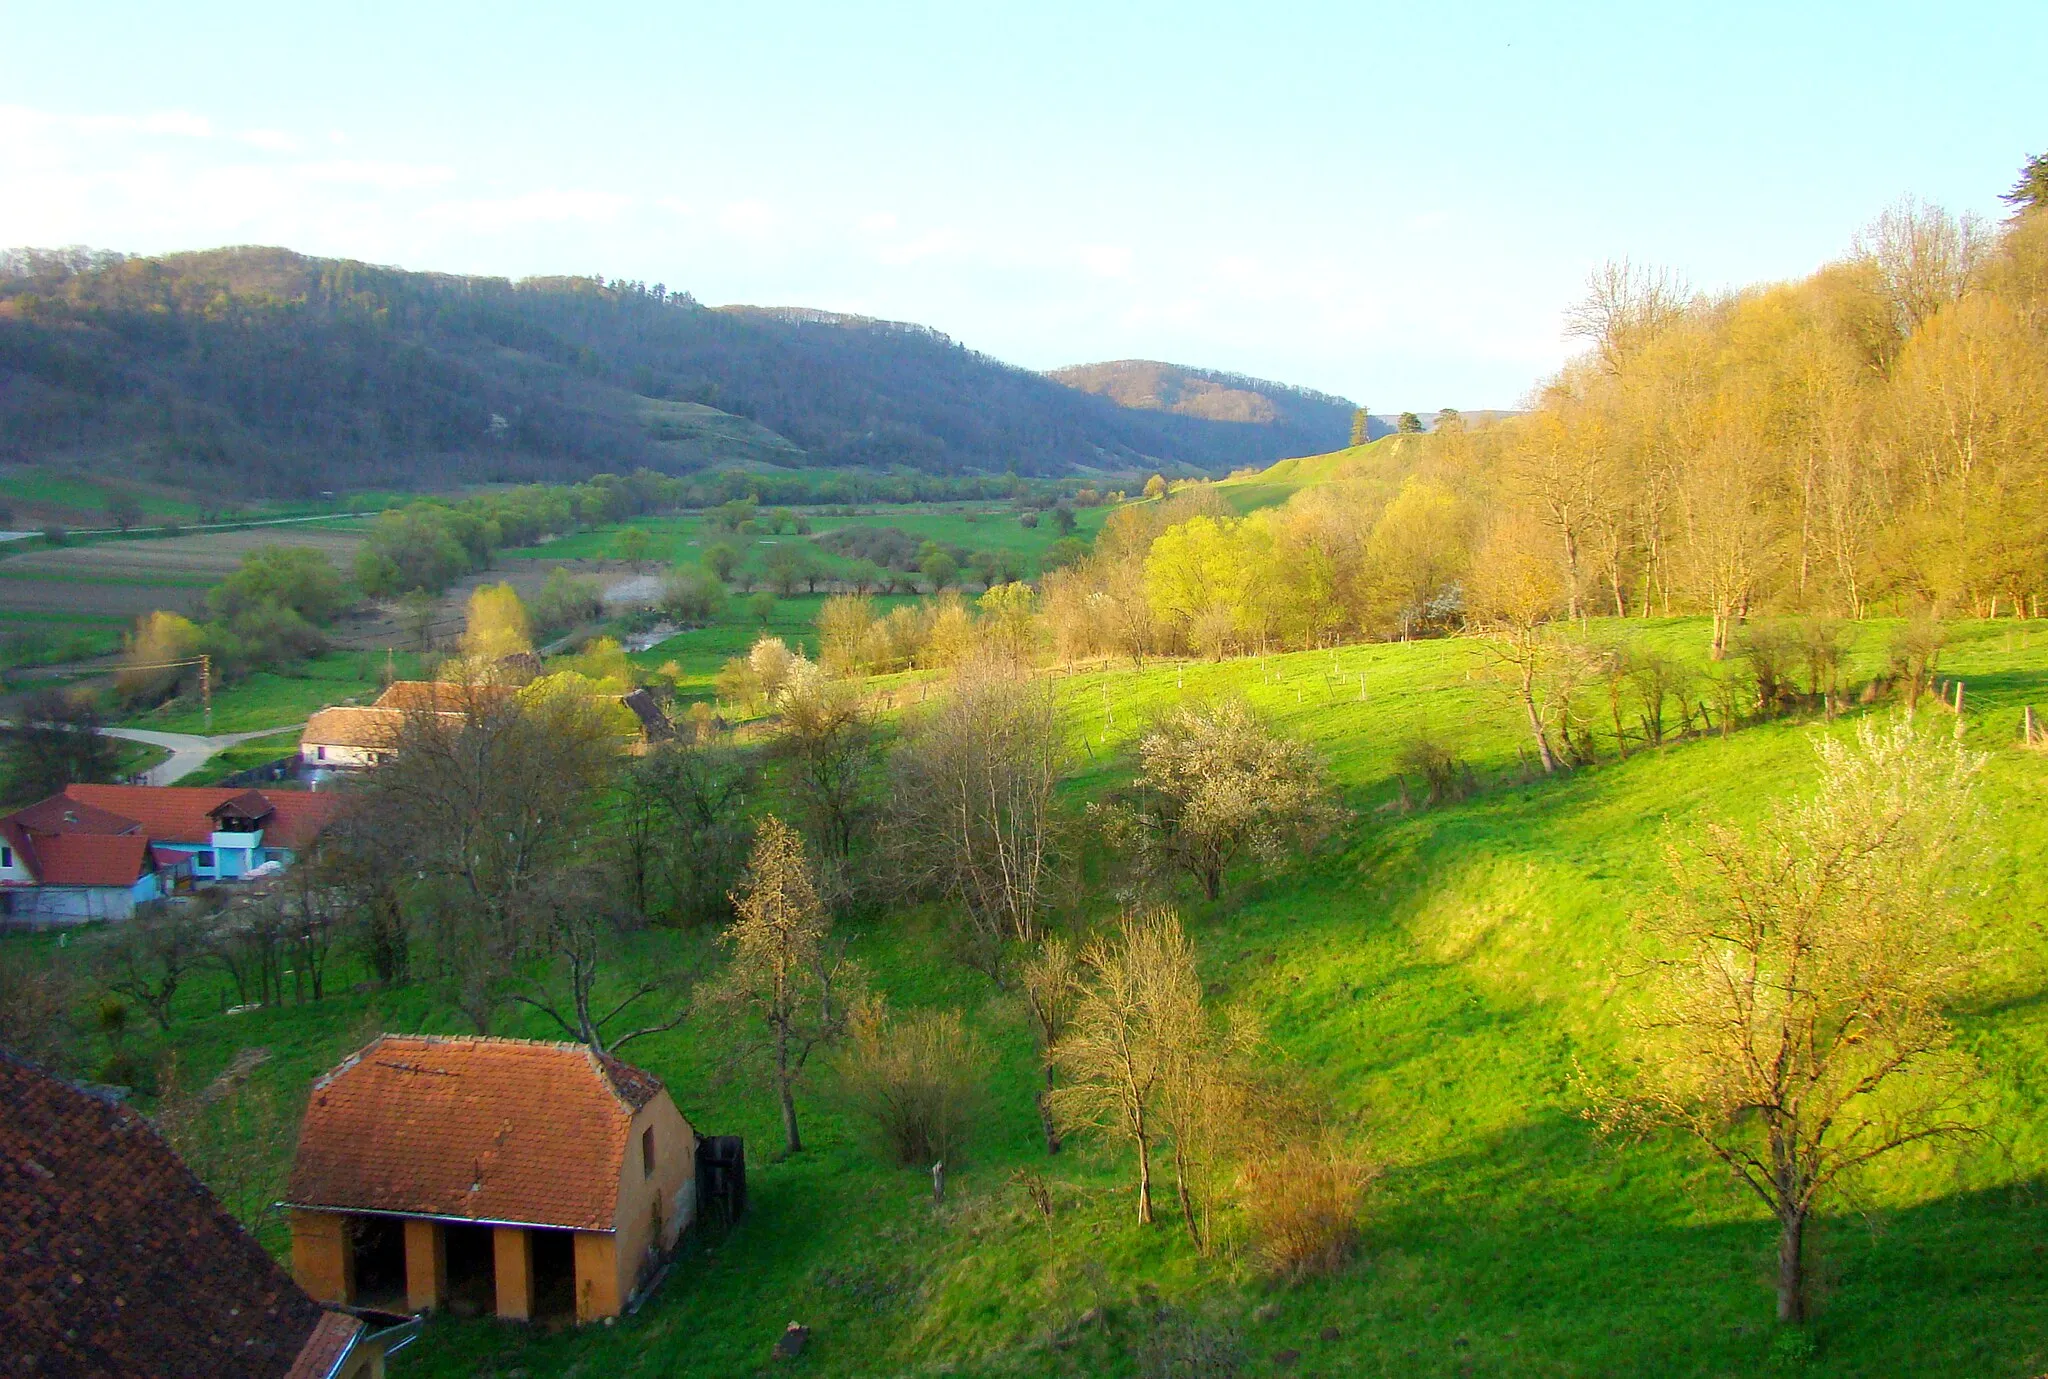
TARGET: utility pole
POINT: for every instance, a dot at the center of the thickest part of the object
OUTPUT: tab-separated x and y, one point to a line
206	689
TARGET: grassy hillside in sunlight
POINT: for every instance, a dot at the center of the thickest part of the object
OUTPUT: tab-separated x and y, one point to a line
1441	973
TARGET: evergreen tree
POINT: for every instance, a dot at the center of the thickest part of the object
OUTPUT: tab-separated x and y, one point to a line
1361	429
2030	193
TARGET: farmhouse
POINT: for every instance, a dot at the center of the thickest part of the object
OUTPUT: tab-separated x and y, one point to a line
97	851
488	1175
347	738
116	1260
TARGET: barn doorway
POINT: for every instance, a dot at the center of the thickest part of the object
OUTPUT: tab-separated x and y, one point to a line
377	1244
472	1270
554	1277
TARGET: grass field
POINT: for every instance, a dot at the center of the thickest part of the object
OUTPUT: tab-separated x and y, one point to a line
682	539
242	756
276	701
1438	973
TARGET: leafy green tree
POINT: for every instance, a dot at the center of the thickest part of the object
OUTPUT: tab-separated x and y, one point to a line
634	544
721	558
1361	427
1063	519
1410	424
941	569
293	577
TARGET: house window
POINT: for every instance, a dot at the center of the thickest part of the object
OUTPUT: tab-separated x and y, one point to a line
204	859
647	1152
6	857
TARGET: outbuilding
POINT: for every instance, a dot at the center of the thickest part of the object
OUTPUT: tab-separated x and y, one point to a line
507	1176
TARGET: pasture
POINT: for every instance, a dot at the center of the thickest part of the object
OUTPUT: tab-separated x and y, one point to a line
1439	974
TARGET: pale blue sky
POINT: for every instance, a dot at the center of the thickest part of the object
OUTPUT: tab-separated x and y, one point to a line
1396	203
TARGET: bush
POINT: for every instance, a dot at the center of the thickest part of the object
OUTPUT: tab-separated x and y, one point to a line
125	1067
1301	1205
1443	774
917	1081
692	597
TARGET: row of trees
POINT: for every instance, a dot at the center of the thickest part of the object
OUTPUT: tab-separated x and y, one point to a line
1868	438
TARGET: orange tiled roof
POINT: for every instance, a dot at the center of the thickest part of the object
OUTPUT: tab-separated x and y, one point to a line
440	696
327	1347
354	727
183	813
478	1129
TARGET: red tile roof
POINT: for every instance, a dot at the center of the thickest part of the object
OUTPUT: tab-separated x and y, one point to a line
115	1260
478	1129
86	859
183	813
68	813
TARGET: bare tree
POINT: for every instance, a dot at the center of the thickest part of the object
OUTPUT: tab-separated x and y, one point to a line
1794	1005
578	927
1111	1054
152	953
1050	987
1516	591
974	803
829	743
1925	258
481	808
1625	306
786	977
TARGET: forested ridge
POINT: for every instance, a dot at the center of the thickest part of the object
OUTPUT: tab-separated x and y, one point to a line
285	374
1868	441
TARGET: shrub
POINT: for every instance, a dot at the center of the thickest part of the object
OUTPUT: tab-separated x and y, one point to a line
1443	774
1301	1204
916	1080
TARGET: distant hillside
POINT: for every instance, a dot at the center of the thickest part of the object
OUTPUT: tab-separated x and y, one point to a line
1314	421
276	374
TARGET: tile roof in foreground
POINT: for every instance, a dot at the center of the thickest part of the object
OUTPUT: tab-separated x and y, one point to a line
115	1260
470	1128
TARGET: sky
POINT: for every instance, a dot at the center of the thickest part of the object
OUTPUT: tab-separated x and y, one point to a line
1396	204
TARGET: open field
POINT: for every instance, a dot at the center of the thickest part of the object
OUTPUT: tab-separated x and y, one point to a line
681	539
268	701
128	578
1438	974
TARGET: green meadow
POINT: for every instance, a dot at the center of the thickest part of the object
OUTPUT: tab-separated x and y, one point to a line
1441	974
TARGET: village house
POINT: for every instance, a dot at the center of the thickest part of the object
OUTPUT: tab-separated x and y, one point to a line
98	851
116	1260
506	1176
351	738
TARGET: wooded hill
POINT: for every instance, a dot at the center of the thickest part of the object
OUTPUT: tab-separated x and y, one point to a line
1318	422
283	375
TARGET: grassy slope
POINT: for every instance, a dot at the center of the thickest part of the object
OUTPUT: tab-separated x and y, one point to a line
1383	459
1438	973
